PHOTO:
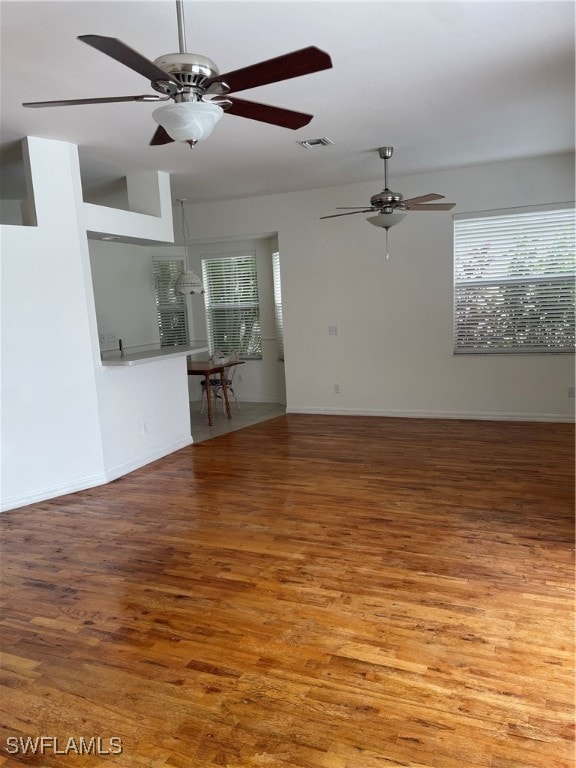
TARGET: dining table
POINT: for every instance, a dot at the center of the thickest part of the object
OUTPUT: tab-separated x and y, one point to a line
208	369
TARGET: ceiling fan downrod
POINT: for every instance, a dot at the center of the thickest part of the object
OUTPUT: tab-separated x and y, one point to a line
181	26
385	153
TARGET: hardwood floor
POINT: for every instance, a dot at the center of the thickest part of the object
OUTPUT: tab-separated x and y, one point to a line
309	592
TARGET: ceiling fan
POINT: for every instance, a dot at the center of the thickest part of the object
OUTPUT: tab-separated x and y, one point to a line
198	91
387	202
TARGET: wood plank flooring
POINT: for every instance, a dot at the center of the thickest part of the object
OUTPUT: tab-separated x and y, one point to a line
310	592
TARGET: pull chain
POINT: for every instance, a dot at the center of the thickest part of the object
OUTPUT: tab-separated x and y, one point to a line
387	250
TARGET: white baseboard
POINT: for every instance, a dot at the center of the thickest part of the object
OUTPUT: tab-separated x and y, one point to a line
551	417
91	481
113	473
52	492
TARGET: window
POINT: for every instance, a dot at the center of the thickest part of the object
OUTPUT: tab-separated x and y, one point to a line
278	304
232	308
170	307
514	285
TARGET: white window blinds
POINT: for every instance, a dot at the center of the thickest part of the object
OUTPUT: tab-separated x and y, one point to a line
170	307
514	287
278	304
232	305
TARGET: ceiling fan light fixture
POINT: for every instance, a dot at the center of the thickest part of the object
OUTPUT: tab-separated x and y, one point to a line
188	120
386	220
187	283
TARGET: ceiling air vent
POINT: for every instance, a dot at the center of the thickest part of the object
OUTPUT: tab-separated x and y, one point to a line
313	143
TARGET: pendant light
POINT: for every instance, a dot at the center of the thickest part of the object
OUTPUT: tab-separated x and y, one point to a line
187	282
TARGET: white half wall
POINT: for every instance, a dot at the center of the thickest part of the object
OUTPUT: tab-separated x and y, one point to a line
150	214
393	355
144	413
68	422
50	418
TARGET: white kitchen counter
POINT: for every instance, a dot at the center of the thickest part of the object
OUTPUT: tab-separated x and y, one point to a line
148	355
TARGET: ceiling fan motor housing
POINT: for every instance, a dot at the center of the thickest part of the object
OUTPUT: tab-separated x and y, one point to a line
386	199
190	69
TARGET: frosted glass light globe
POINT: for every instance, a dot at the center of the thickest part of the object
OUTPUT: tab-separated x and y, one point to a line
188	120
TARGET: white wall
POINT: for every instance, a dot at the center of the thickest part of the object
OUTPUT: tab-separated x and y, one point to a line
10	212
394	352
68	422
50	418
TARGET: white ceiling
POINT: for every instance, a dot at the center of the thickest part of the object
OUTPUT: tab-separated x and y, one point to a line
446	83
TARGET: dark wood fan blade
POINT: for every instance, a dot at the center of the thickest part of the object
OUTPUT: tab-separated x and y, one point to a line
295	64
349	207
118	50
160	137
434	207
350	213
105	100
421	199
286	118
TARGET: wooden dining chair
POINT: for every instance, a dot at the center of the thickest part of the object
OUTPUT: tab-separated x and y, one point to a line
234	358
216	385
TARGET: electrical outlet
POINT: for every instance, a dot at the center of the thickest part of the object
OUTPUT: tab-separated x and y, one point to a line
144	426
336	389
111	338
239	378
102	338
333	330
571	391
